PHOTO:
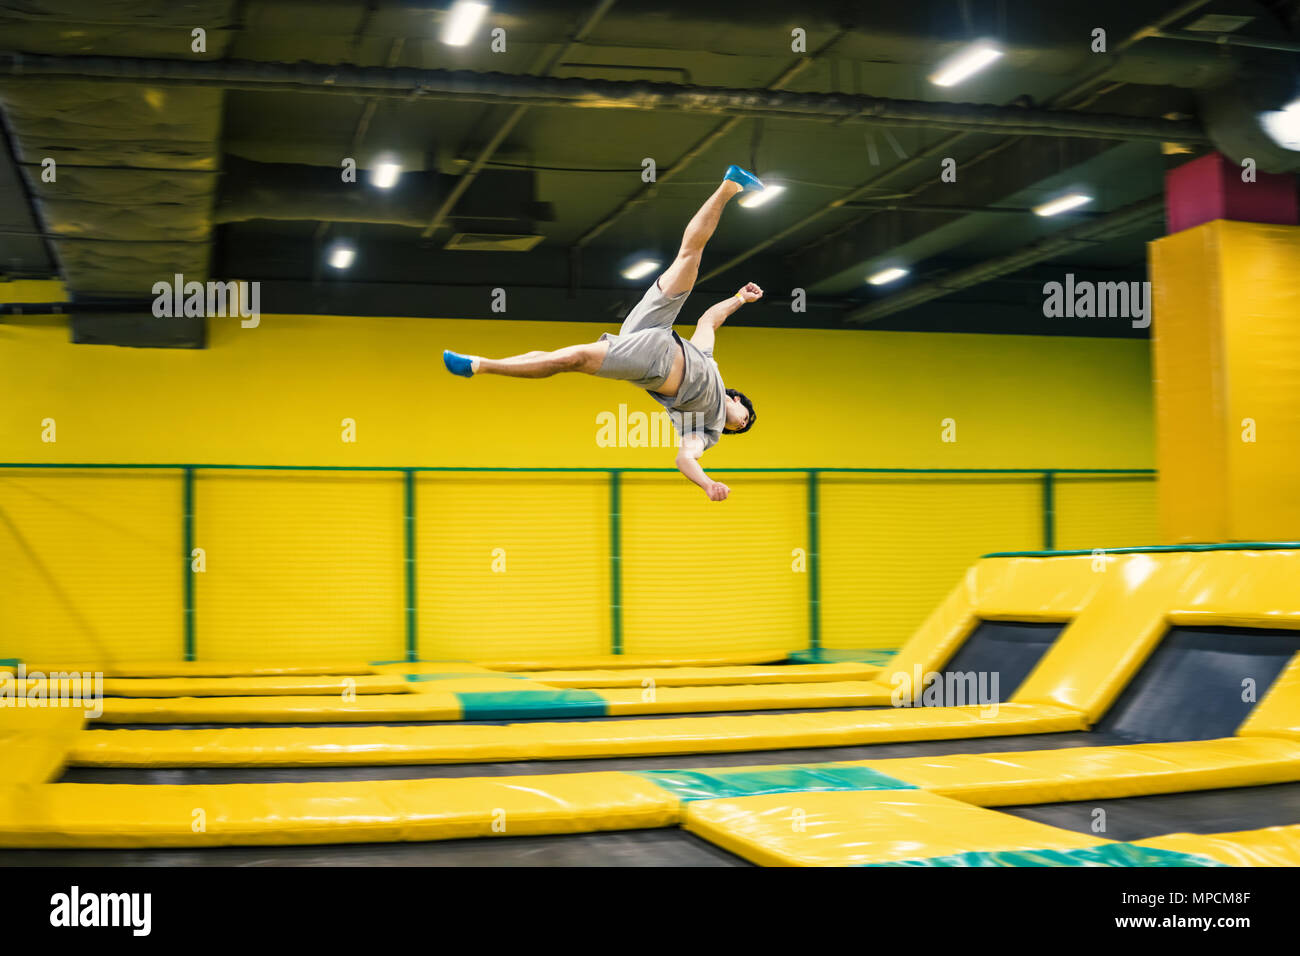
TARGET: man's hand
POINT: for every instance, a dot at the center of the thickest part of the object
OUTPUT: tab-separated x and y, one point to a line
750	292
717	491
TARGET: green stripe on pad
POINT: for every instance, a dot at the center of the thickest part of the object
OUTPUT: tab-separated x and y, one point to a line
699	785
527	704
10	661
471	675
1110	854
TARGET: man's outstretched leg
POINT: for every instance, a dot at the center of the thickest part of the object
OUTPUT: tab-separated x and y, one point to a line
574	358
680	276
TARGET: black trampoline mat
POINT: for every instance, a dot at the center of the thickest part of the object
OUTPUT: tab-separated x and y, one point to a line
1198	811
1190	687
922	748
1009	649
670	846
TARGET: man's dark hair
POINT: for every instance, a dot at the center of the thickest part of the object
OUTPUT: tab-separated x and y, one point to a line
740	397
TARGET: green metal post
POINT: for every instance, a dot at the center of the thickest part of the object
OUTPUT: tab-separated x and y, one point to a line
1049	511
814	567
412	649
187	535
615	565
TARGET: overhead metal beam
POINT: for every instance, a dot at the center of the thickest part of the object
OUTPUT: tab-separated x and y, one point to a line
575	92
544	68
1118	223
1067	97
692	154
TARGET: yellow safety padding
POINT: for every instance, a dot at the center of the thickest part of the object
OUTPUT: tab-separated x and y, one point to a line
1273	846
856	827
1278	714
253	686
475	683
620	661
1105	645
279	710
479	743
434	667
1099	773
208	668
1034	589
708	676
35	740
685	700
371	811
1240	589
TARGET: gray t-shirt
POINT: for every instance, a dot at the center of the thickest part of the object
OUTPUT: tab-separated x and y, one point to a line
699	407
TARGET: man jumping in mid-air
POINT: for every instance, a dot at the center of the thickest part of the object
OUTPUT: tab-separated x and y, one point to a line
681	376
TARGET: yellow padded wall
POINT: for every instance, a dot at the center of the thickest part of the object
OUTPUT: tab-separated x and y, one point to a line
513	565
698	574
301	566
893	546
1100	511
93	565
276	394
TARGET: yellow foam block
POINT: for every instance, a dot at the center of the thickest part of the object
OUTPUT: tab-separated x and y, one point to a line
853	828
707	676
35	740
1274	846
207	668
1099	773
254	686
372	811
669	700
278	710
477	743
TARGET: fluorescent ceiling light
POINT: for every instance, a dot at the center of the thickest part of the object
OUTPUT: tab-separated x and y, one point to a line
461	21
887	275
1283	126
342	256
384	175
750	200
966	63
1063	204
640	270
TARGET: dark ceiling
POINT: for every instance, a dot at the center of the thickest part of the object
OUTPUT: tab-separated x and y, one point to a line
219	164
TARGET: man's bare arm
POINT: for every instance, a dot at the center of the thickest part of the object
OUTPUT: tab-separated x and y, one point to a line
712	319
688	464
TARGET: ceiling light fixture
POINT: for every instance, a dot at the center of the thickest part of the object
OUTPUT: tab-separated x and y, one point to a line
1062	204
462	21
965	64
342	256
384	175
639	270
761	197
886	276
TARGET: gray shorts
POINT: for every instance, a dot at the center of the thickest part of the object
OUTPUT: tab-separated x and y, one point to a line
642	352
